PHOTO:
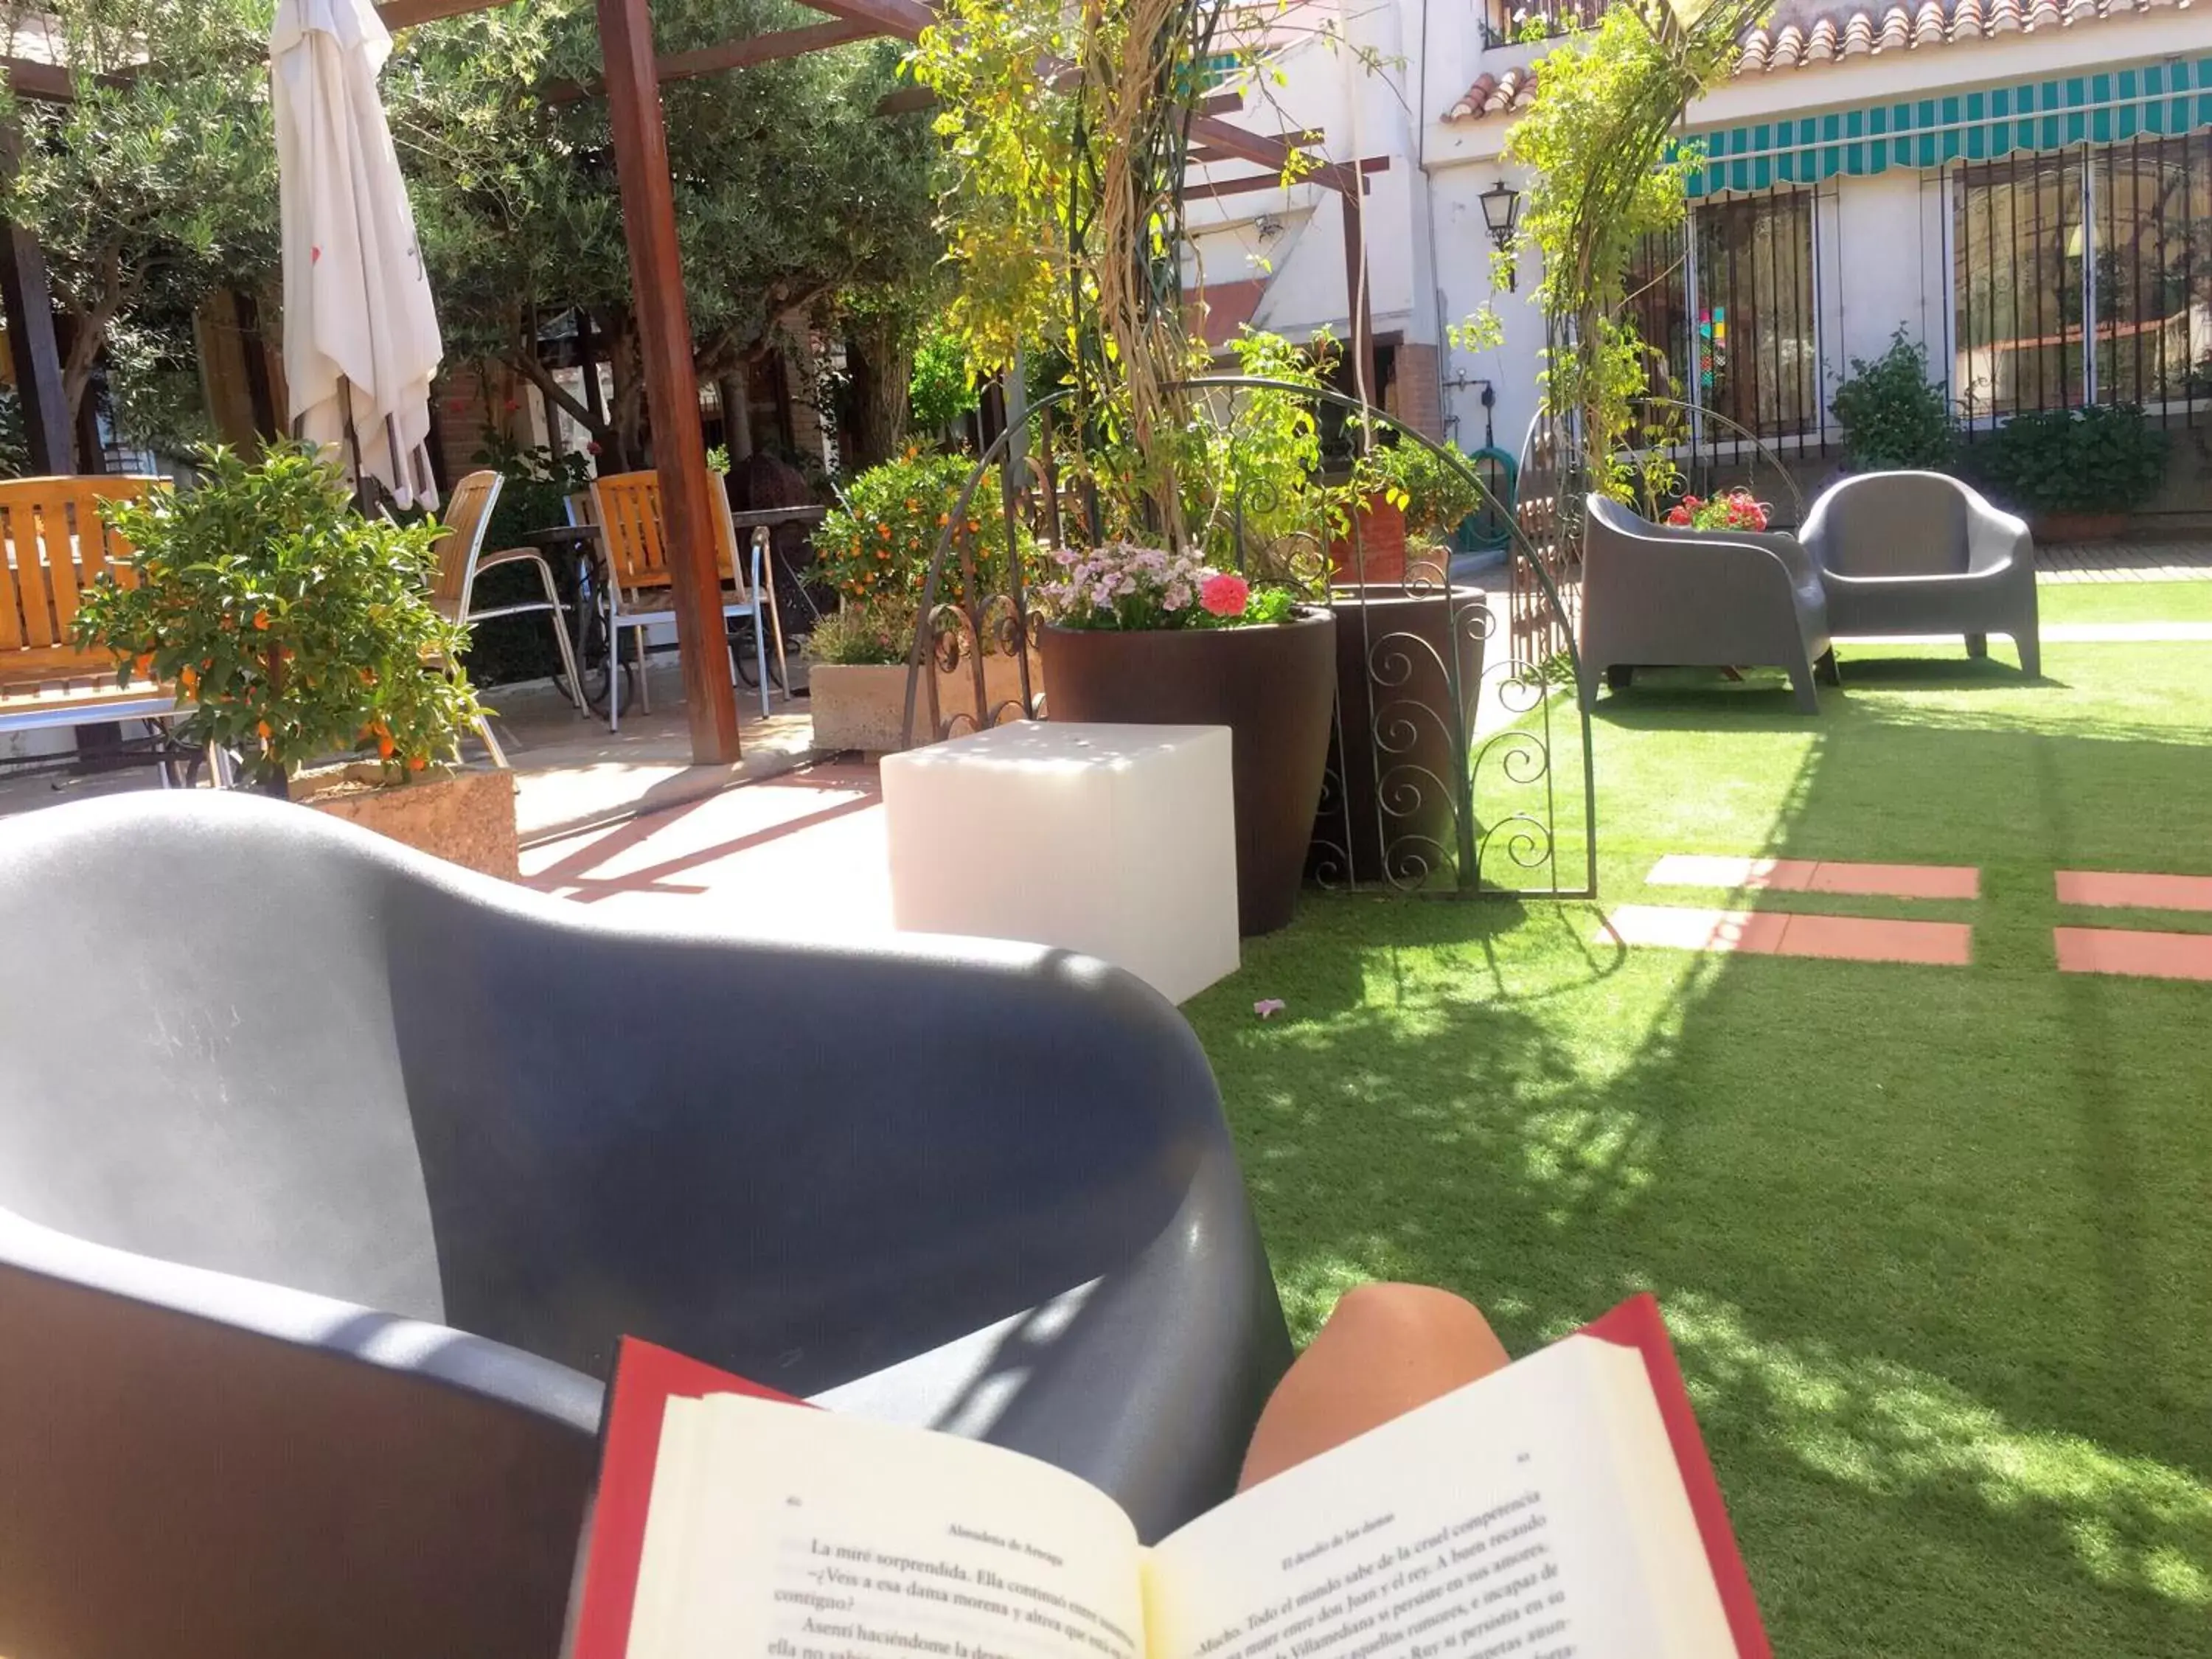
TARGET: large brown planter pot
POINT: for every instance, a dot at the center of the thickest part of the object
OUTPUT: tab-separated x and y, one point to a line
1272	687
1388	812
465	816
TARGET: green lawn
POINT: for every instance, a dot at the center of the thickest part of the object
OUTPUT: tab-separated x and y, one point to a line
1935	1244
2130	601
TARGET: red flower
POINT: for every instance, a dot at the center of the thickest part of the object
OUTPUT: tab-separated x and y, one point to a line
592	448
1224	595
1680	515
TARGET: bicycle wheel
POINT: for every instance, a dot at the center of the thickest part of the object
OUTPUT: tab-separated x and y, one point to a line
595	658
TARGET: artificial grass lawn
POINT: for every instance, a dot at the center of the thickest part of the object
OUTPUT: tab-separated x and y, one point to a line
2130	601
1935	1243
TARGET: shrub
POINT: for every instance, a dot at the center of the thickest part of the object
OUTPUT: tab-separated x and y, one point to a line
2107	459
1433	493
293	627
1894	416
878	545
873	632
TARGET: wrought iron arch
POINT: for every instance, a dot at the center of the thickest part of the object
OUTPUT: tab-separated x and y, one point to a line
1499	790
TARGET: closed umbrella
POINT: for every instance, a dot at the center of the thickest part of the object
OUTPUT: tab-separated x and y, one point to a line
361	335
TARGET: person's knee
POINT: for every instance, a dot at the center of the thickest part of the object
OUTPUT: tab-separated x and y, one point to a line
1392	1318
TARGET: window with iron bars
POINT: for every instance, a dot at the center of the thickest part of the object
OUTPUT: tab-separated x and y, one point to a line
1727	304
2084	277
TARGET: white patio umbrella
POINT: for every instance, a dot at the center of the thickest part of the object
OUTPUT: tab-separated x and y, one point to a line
361	335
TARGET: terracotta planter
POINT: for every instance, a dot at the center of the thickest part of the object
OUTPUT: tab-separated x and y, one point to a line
1388	813
1379	554
863	705
467	817
1273	688
2050	528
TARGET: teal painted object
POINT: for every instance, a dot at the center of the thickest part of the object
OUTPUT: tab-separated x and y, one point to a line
1489	527
2161	98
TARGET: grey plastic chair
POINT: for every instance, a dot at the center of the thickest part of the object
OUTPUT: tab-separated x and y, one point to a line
326	1188
1921	553
1654	596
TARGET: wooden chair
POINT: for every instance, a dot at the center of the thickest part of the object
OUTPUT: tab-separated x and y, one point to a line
53	546
627	507
461	560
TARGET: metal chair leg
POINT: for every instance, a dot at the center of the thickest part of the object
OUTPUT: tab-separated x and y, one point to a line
491	743
561	636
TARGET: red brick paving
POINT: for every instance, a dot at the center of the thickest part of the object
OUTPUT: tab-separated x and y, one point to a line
1905	881
1772	933
2125	951
2116	889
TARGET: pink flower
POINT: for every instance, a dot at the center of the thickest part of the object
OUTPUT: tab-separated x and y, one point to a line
1225	595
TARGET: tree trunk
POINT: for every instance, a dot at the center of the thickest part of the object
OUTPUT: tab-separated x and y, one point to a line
737	412
881	364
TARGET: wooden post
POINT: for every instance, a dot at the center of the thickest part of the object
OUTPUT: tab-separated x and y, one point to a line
1359	313
671	385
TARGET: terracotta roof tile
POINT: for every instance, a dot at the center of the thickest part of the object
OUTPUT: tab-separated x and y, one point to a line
1850	31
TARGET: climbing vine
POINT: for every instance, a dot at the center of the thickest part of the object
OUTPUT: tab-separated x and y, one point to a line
1607	168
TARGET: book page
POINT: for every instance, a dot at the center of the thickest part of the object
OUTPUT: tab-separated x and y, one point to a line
796	1534
1526	1515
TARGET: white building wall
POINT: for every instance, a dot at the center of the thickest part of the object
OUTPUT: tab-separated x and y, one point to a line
1880	247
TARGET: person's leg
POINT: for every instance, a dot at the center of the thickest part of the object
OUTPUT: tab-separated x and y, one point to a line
1386	1349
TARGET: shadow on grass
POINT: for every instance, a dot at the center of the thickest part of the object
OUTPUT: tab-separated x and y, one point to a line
1934	1241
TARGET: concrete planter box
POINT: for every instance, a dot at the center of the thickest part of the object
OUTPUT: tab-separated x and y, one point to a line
467	817
863	705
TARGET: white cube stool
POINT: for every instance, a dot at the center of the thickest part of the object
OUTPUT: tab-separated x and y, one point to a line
1117	840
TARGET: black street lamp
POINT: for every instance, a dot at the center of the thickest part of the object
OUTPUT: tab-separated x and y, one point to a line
1501	210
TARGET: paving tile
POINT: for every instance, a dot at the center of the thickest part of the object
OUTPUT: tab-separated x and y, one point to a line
2125	951
1682	928
1866	939
1905	881
1772	933
1758	875
2114	889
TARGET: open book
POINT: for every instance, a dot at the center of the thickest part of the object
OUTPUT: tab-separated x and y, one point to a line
1562	1506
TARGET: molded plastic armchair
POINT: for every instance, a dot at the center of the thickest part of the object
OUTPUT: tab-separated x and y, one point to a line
326	1187
1921	553
1707	598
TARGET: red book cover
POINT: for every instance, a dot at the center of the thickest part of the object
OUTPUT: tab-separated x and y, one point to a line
1636	1324
646	1377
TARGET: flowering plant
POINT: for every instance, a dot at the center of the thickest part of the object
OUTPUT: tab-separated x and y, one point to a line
1734	509
1122	586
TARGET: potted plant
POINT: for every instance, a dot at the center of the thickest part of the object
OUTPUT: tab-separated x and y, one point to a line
1731	509
2076	474
1066	133
874	550
1149	636
297	631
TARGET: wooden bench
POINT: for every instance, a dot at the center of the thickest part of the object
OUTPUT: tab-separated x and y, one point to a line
53	546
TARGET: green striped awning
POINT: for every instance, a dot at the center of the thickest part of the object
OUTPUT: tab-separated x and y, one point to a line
2161	98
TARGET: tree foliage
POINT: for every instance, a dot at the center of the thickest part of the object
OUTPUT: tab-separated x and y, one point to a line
793	195
156	183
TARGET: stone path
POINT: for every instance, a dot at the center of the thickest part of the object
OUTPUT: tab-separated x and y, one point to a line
2124	561
2134	952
